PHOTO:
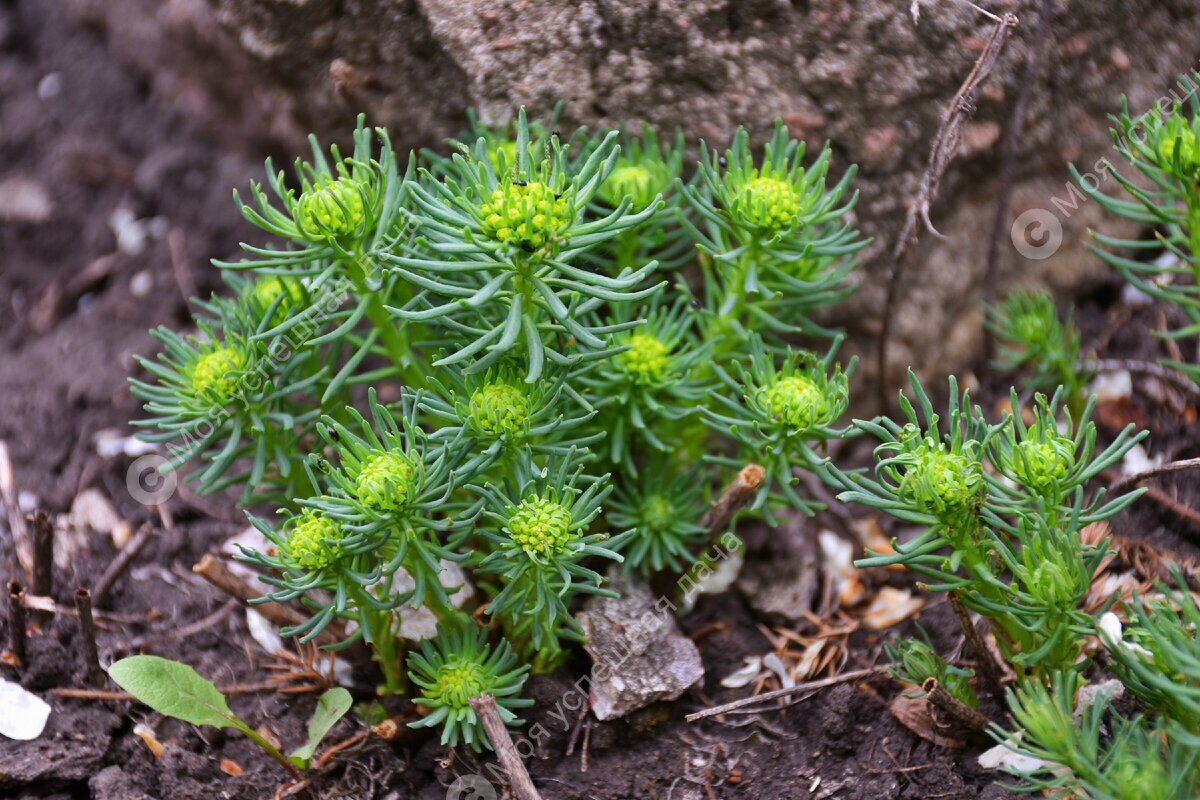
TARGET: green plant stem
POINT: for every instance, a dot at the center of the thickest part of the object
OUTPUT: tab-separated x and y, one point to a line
395	337
268	748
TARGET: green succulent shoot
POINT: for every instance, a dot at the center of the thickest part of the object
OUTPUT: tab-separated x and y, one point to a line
655	380
340	205
914	661
662	511
1053	458
1160	145
1093	750
764	227
457	665
644	172
496	415
537	533
1033	339
496	256
777	411
220	398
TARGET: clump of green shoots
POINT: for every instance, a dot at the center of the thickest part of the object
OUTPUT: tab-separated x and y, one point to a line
1035	342
505	363
1163	147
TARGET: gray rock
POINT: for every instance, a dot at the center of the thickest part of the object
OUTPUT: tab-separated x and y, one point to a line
639	656
858	74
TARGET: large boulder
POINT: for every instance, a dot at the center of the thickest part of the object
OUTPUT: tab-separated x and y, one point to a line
858	73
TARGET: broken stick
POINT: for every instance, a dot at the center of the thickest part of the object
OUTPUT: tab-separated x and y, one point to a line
522	785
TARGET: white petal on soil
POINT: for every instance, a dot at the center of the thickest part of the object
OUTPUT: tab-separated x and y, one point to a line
839	562
110	443
743	676
1002	756
251	538
1136	460
23	714
1115	385
716	582
92	509
263	632
775	664
891	606
1110	626
1111	689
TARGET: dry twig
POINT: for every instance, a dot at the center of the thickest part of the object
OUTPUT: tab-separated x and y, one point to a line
992	672
961	713
219	574
945	146
738	494
119	564
845	677
87	630
522	785
16	621
1173	377
1119	486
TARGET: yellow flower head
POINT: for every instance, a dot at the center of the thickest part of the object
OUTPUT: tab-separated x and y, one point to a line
541	526
796	402
647	360
524	214
215	375
313	543
386	481
332	210
767	203
499	409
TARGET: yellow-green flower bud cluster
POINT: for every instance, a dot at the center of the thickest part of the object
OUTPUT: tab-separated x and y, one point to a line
767	203
524	214
215	375
499	410
386	481
313	543
541	526
647	360
333	209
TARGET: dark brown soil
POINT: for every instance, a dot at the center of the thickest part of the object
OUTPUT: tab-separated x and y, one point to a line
74	308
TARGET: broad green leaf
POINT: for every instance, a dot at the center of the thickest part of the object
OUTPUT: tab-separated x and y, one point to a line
330	708
174	689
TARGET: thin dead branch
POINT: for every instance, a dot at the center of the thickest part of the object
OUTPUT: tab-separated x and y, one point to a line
16	621
1120	486
738	494
845	677
117	567
945	147
522	785
87	631
219	574
962	714
1013	135
43	554
992	672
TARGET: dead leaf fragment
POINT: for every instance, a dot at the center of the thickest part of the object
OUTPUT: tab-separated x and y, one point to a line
913	713
891	606
231	768
839	563
146	734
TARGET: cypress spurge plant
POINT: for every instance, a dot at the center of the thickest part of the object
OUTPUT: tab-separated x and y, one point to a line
475	366
1035	342
1002	506
1163	148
